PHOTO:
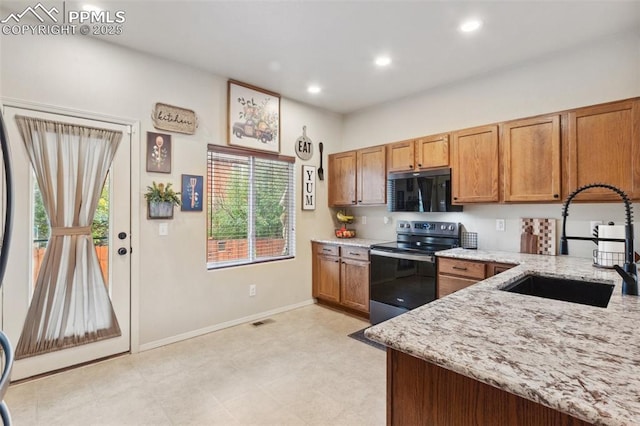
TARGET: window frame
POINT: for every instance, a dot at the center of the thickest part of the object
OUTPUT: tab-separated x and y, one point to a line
251	155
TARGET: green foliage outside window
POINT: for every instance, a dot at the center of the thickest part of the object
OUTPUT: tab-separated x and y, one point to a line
269	193
99	228
230	212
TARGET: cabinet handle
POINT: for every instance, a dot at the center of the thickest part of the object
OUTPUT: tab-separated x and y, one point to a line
419	165
353	201
459	268
326	249
359	201
411	166
455	198
354	254
336	261
556	196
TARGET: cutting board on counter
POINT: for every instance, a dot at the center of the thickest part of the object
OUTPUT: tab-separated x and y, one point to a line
528	241
543	235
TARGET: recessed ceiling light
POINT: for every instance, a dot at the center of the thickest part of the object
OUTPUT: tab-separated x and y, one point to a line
470	25
383	61
275	66
314	89
91	8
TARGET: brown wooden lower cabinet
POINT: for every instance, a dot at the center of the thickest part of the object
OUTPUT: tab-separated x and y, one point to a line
421	393
456	274
341	277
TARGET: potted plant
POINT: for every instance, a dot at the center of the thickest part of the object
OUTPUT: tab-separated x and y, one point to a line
160	201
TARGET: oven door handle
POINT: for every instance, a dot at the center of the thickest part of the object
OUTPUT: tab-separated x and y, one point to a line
407	256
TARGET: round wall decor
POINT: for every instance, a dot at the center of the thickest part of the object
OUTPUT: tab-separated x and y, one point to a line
304	146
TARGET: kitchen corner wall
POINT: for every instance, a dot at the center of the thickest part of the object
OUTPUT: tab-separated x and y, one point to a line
598	72
177	297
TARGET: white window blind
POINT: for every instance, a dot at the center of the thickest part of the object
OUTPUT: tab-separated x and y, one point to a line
251	207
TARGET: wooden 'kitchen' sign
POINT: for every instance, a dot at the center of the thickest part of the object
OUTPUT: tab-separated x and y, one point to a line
174	119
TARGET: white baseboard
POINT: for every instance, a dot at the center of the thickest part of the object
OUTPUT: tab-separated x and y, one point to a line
216	327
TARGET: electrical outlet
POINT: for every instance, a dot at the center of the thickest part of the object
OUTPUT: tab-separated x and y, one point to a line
364	220
163	228
500	226
252	290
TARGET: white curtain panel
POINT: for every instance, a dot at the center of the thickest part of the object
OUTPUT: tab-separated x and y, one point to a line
70	304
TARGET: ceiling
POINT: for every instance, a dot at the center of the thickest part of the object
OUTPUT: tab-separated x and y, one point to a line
284	46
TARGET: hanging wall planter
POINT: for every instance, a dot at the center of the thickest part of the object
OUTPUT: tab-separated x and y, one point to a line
161	199
160	210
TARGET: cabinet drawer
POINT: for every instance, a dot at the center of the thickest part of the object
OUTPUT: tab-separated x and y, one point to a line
356	253
328	249
448	285
463	268
497	268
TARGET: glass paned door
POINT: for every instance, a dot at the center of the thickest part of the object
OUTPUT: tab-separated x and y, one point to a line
29	231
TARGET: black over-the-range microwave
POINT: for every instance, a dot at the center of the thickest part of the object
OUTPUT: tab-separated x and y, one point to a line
424	191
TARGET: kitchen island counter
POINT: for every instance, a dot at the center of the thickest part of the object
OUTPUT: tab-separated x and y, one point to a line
580	360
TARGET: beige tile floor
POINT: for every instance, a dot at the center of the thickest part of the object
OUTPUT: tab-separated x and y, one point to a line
300	369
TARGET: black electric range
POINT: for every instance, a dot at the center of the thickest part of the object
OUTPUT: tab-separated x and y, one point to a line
403	272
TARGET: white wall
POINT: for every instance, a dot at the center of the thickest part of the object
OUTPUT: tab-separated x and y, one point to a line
600	72
178	296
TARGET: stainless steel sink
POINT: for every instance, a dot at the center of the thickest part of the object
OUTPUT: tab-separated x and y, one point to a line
574	291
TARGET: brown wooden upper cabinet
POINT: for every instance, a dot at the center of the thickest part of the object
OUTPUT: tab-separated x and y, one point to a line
603	146
429	152
342	179
474	165
372	179
400	156
530	156
358	177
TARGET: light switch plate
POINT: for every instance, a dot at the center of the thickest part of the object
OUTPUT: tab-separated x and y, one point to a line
163	228
500	226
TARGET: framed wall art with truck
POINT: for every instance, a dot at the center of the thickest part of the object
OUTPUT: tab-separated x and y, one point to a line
253	117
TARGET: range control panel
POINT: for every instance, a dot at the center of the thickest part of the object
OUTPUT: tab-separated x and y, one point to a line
448	229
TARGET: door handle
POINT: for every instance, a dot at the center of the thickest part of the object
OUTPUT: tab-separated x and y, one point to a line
122	251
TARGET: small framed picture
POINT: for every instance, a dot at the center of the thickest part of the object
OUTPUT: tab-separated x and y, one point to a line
308	188
158	152
192	193
253	117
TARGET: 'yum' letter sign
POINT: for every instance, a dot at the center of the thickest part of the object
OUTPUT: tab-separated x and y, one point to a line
308	188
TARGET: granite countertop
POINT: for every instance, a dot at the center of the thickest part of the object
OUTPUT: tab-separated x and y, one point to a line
577	359
354	242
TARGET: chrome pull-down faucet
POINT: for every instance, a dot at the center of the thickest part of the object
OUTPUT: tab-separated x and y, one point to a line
628	272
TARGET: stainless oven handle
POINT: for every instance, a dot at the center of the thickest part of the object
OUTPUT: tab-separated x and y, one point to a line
407	256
